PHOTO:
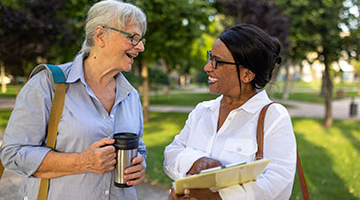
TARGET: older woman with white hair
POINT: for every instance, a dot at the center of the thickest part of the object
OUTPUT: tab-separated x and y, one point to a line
99	102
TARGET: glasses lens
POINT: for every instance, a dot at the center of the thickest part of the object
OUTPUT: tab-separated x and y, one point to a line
136	39
211	59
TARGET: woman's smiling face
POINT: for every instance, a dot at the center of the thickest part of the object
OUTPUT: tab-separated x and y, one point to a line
119	49
223	79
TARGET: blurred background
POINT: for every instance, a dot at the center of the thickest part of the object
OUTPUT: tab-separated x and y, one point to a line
318	80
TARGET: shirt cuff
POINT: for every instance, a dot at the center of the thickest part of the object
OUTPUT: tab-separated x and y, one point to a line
34	158
186	159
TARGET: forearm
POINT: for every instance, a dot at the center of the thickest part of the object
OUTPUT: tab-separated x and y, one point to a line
56	164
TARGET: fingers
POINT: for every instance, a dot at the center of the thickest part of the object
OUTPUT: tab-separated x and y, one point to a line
138	159
135	173
103	142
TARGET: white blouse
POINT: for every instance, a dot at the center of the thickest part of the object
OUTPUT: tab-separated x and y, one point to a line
236	142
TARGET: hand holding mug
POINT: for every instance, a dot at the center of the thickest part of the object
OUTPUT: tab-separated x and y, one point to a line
99	157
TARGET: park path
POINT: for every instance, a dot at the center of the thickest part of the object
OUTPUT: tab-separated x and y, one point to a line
145	191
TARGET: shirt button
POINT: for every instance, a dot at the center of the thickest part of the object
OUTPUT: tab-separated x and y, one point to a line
238	149
106	192
229	118
26	198
112	116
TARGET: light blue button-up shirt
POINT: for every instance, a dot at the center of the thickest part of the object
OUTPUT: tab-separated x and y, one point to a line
84	120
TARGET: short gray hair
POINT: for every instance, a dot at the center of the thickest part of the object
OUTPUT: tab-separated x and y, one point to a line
110	13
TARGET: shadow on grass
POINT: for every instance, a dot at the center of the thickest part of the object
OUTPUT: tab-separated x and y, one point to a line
349	130
324	183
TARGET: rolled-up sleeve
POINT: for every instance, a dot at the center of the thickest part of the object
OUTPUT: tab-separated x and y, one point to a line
22	149
179	158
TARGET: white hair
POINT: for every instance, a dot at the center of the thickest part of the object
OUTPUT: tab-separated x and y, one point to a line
110	13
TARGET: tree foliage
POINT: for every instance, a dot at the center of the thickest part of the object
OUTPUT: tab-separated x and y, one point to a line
173	26
28	30
316	27
263	13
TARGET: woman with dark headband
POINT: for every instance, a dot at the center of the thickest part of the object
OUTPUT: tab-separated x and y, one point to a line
223	131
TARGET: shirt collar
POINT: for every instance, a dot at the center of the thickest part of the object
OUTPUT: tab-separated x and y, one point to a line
76	70
255	103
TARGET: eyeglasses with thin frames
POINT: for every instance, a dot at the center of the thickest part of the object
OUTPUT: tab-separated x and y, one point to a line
214	62
135	38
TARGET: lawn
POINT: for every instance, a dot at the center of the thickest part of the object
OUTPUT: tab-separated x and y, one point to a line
330	157
11	92
183	99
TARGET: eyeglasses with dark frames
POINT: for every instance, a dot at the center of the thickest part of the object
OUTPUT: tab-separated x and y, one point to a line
214	62
135	38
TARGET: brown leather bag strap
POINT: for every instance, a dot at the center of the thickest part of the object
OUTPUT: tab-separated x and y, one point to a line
1	169
301	177
259	153
260	132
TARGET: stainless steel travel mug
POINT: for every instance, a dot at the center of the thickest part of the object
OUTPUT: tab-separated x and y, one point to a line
126	145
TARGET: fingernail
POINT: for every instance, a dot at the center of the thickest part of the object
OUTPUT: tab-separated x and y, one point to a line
169	191
186	191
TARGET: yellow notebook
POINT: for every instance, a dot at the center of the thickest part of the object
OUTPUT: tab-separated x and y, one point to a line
222	176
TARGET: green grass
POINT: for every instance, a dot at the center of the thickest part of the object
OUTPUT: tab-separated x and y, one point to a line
316	85
11	92
4	117
184	99
313	97
330	157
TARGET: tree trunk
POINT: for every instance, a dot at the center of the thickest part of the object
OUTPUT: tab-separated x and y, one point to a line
285	93
323	84
2	78
164	67
145	86
328	94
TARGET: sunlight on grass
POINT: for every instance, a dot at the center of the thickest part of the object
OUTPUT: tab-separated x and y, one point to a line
329	156
4	117
12	91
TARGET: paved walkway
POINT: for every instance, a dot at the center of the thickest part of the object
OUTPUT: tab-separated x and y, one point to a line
145	191
10	182
340	108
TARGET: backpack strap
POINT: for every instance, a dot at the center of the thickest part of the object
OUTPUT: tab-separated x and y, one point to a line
55	115
259	153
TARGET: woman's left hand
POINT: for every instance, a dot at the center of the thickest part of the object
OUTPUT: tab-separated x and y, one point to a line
135	174
202	194
195	194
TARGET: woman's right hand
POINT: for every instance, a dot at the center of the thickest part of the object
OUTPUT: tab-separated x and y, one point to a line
99	157
203	163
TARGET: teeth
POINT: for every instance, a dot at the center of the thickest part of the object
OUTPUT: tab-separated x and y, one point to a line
212	80
131	55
